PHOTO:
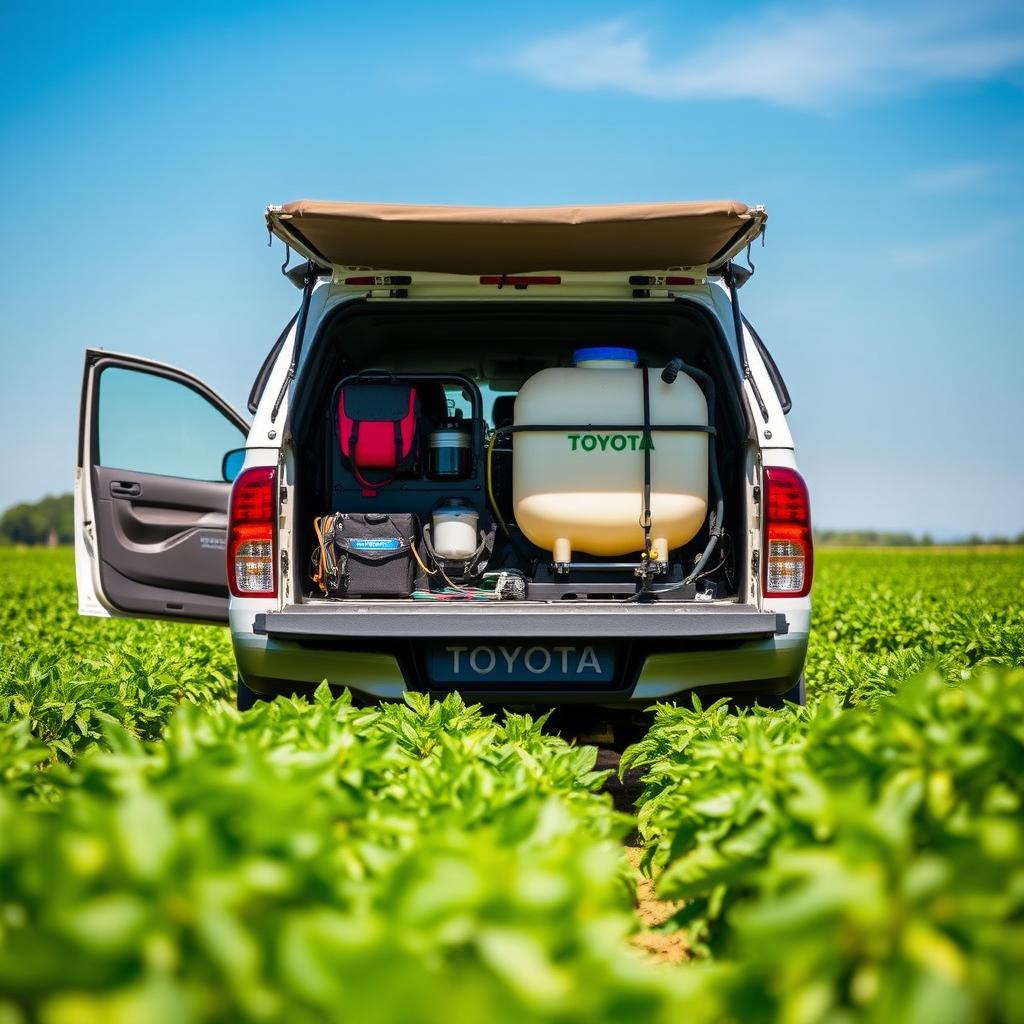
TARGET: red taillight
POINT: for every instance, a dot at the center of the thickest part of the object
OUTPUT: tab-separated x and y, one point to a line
788	557
518	280
252	534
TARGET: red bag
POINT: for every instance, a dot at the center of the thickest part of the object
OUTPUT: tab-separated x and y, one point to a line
377	430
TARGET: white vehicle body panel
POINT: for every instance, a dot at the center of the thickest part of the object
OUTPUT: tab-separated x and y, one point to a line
663	676
86	568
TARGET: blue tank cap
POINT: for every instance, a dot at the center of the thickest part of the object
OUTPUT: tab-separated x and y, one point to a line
586	355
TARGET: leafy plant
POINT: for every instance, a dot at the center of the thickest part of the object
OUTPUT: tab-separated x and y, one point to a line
419	861
881	617
163	857
856	861
66	678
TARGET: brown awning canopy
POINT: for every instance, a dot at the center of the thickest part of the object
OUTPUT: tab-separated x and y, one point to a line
515	240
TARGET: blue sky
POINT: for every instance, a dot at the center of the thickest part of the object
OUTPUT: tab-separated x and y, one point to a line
141	143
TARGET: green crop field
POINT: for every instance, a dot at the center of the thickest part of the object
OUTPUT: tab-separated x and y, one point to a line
164	858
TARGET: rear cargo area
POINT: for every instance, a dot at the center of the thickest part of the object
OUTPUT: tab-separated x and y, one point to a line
459	459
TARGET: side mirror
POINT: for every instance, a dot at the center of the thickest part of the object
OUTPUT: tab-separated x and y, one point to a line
231	464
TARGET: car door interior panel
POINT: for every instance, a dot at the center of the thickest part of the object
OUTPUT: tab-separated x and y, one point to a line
169	536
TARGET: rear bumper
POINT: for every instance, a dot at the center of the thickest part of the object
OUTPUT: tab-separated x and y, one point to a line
376	620
664	651
770	666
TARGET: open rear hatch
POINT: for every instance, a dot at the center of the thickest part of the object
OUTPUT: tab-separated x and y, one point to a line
516	240
602	479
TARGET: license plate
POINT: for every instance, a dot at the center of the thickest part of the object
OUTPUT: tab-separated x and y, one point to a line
520	663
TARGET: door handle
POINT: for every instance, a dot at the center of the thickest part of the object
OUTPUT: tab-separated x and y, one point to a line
125	489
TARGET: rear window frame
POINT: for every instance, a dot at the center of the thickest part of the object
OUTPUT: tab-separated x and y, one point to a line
774	373
259	385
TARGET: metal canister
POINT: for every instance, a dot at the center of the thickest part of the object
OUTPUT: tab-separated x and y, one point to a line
450	454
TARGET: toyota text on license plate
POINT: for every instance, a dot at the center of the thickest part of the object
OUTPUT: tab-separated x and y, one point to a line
520	663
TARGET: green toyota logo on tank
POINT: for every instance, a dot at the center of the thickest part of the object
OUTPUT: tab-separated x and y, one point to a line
610	442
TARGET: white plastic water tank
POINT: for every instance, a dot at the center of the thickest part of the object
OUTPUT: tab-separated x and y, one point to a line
582	489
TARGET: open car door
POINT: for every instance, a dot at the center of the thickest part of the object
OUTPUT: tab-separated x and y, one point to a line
151	497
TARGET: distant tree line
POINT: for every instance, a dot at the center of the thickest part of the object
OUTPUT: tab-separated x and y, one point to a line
893	539
51	520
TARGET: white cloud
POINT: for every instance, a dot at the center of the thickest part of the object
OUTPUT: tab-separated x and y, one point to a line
967	247
813	59
955	177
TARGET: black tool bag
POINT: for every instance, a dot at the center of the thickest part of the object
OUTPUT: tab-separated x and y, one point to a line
367	554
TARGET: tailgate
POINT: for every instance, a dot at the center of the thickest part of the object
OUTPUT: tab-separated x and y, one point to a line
372	620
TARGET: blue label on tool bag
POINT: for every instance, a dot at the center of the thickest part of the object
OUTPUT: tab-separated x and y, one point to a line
376	543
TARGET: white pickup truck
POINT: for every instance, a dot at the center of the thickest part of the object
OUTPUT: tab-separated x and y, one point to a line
186	509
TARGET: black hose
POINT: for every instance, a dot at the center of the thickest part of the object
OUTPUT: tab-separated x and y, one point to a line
648	443
717	517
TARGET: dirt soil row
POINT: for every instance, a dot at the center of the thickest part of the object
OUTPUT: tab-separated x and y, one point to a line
660	946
